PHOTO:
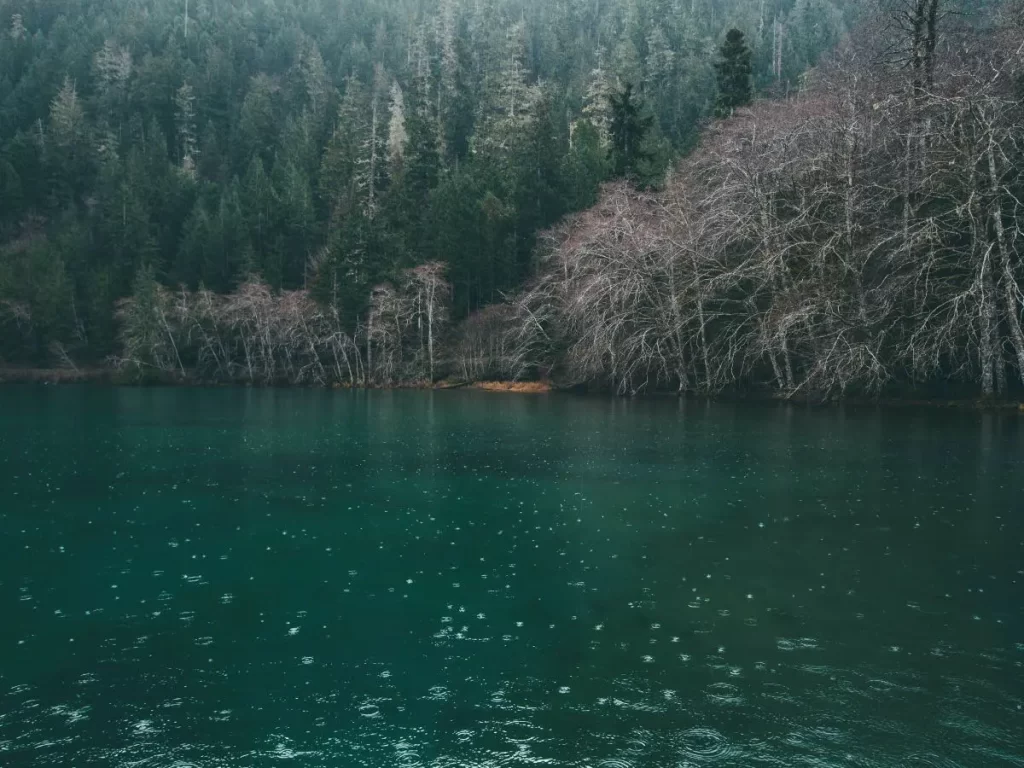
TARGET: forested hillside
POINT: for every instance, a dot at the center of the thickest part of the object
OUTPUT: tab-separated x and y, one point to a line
330	147
634	195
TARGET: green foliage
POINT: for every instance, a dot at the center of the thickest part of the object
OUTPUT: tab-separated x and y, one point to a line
584	167
631	125
734	74
332	142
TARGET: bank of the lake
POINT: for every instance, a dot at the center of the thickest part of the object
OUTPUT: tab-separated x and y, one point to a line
113	376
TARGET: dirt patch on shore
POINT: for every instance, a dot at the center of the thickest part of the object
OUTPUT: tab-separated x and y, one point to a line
521	387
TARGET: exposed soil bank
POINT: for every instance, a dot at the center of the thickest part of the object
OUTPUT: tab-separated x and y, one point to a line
521	387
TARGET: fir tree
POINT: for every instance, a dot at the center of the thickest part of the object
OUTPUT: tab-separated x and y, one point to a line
734	74
630	125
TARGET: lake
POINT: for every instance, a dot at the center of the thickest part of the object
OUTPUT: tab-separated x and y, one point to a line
241	578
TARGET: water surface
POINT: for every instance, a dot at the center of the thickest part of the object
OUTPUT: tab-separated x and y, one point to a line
239	578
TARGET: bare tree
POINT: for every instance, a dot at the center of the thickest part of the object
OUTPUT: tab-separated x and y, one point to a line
428	294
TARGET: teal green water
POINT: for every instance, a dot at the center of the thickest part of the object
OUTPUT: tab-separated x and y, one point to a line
239	578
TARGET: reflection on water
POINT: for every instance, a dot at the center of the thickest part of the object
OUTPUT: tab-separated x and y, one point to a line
241	578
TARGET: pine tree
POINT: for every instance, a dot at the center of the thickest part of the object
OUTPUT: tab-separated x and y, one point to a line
67	118
421	170
629	127
449	84
585	167
398	137
315	81
371	174
17	31
508	104
341	161
231	243
660	73
258	124
626	60
124	230
734	74
295	220
113	67
597	105
259	203
539	193
68	155
185	120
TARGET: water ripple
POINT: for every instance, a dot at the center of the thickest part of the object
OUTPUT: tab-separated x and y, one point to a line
706	745
724	693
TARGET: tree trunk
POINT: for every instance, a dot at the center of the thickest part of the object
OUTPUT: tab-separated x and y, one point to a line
988	317
430	331
1010	287
369	346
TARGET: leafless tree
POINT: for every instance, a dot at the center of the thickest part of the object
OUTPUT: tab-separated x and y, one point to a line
428	293
848	237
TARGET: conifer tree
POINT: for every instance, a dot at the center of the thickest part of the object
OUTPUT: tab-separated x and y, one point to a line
734	74
185	119
629	128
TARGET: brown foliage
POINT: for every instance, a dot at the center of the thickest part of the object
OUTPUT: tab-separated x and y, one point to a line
864	231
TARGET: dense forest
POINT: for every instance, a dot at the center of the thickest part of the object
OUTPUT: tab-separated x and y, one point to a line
695	195
332	147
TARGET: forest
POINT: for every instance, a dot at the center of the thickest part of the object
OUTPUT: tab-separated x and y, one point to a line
794	196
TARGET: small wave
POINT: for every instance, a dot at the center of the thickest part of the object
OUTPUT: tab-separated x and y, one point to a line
796	644
369	710
705	745
930	760
724	693
406	755
638	743
520	732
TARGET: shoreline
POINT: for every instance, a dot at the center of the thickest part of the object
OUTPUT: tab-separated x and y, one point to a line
111	377
18	375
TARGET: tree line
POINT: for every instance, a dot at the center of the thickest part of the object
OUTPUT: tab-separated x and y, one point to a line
169	149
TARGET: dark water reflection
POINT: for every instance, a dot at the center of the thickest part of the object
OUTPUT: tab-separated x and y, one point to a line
240	578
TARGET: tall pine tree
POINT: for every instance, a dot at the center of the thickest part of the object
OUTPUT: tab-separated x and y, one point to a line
734	73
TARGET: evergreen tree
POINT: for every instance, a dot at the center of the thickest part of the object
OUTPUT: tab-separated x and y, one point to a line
342	160
259	204
597	105
258	120
585	167
185	119
734	74
630	125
